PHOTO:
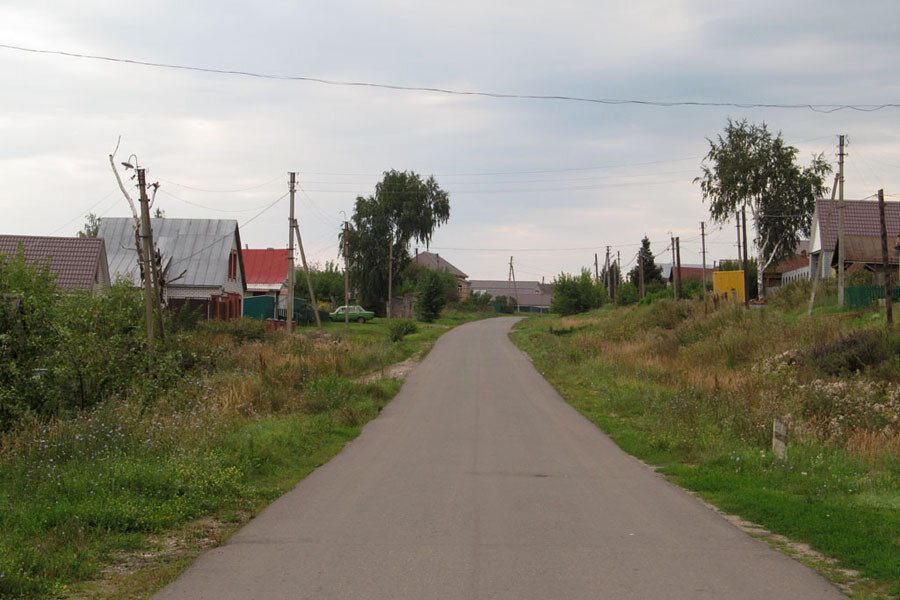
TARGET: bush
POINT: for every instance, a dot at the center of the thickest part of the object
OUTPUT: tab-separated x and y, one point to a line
852	353
475	303
398	328
576	294
628	294
242	330
432	295
505	304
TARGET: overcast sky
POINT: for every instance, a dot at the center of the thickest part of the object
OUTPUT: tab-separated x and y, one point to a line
549	182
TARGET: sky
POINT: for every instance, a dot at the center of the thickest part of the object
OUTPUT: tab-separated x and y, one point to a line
548	182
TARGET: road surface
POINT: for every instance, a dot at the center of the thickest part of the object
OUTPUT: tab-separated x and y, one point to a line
479	481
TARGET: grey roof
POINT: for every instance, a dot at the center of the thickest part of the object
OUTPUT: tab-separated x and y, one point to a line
527	293
434	262
198	247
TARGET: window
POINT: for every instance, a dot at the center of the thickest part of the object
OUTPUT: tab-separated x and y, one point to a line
232	265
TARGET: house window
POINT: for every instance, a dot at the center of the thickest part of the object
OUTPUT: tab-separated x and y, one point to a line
232	265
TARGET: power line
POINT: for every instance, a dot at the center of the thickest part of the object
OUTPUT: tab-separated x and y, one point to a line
822	108
231	191
223	210
84	212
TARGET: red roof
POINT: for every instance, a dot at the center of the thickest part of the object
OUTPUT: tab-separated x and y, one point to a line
74	261
266	266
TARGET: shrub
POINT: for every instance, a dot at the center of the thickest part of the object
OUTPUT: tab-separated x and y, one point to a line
628	294
398	328
505	304
242	330
851	353
432	296
576	294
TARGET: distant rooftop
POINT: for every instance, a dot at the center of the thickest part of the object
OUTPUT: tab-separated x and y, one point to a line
74	261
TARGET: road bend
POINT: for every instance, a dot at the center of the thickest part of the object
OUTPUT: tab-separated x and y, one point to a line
479	481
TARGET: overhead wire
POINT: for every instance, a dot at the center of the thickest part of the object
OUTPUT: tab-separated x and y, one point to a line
212	191
822	108
83	213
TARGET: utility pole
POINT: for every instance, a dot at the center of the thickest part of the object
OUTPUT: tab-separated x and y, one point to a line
606	276
703	252
884	256
312	294
817	275
618	273
346	278
672	270
641	271
289	306
840	221
746	261
390	299
512	274
596	269
737	224
678	259
147	254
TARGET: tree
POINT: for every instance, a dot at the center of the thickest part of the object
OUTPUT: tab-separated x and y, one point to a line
327	283
576	293
404	208
91	226
431	297
653	278
749	168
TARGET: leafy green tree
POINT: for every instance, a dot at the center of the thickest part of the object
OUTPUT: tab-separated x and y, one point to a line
628	294
576	293
431	297
327	283
404	208
652	272
750	168
91	226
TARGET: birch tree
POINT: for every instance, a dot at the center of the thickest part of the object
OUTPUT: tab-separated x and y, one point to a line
748	167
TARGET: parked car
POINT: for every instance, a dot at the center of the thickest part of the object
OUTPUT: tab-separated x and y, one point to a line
357	313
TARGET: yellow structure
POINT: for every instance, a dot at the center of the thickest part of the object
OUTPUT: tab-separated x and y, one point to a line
730	284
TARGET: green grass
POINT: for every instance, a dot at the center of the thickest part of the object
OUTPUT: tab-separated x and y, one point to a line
76	495
712	441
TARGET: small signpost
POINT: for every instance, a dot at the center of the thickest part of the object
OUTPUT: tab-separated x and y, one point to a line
779	438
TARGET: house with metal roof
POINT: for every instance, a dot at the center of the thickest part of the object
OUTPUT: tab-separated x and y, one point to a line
202	262
266	270
862	227
527	293
77	263
436	263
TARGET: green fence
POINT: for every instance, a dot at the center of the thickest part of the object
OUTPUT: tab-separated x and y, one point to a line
864	296
263	307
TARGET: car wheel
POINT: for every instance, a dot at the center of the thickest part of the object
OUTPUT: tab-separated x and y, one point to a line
361	320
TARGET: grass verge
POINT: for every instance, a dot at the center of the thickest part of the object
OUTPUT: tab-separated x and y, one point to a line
694	393
114	502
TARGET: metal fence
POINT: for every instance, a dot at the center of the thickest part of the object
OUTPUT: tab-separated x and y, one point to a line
864	296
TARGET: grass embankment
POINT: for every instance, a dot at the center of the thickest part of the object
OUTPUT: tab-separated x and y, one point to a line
695	393
120	482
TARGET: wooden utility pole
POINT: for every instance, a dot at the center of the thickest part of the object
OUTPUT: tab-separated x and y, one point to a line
512	274
737	224
641	271
817	275
618	273
672	270
840	221
596	269
146	254
678	259
346	278
703	252
884	257
606	277
309	286
746	261
289	302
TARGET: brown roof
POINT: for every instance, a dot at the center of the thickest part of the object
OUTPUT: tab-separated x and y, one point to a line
435	262
865	249
688	273
74	261
861	217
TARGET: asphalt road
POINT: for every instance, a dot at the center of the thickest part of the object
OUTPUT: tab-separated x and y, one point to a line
478	481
